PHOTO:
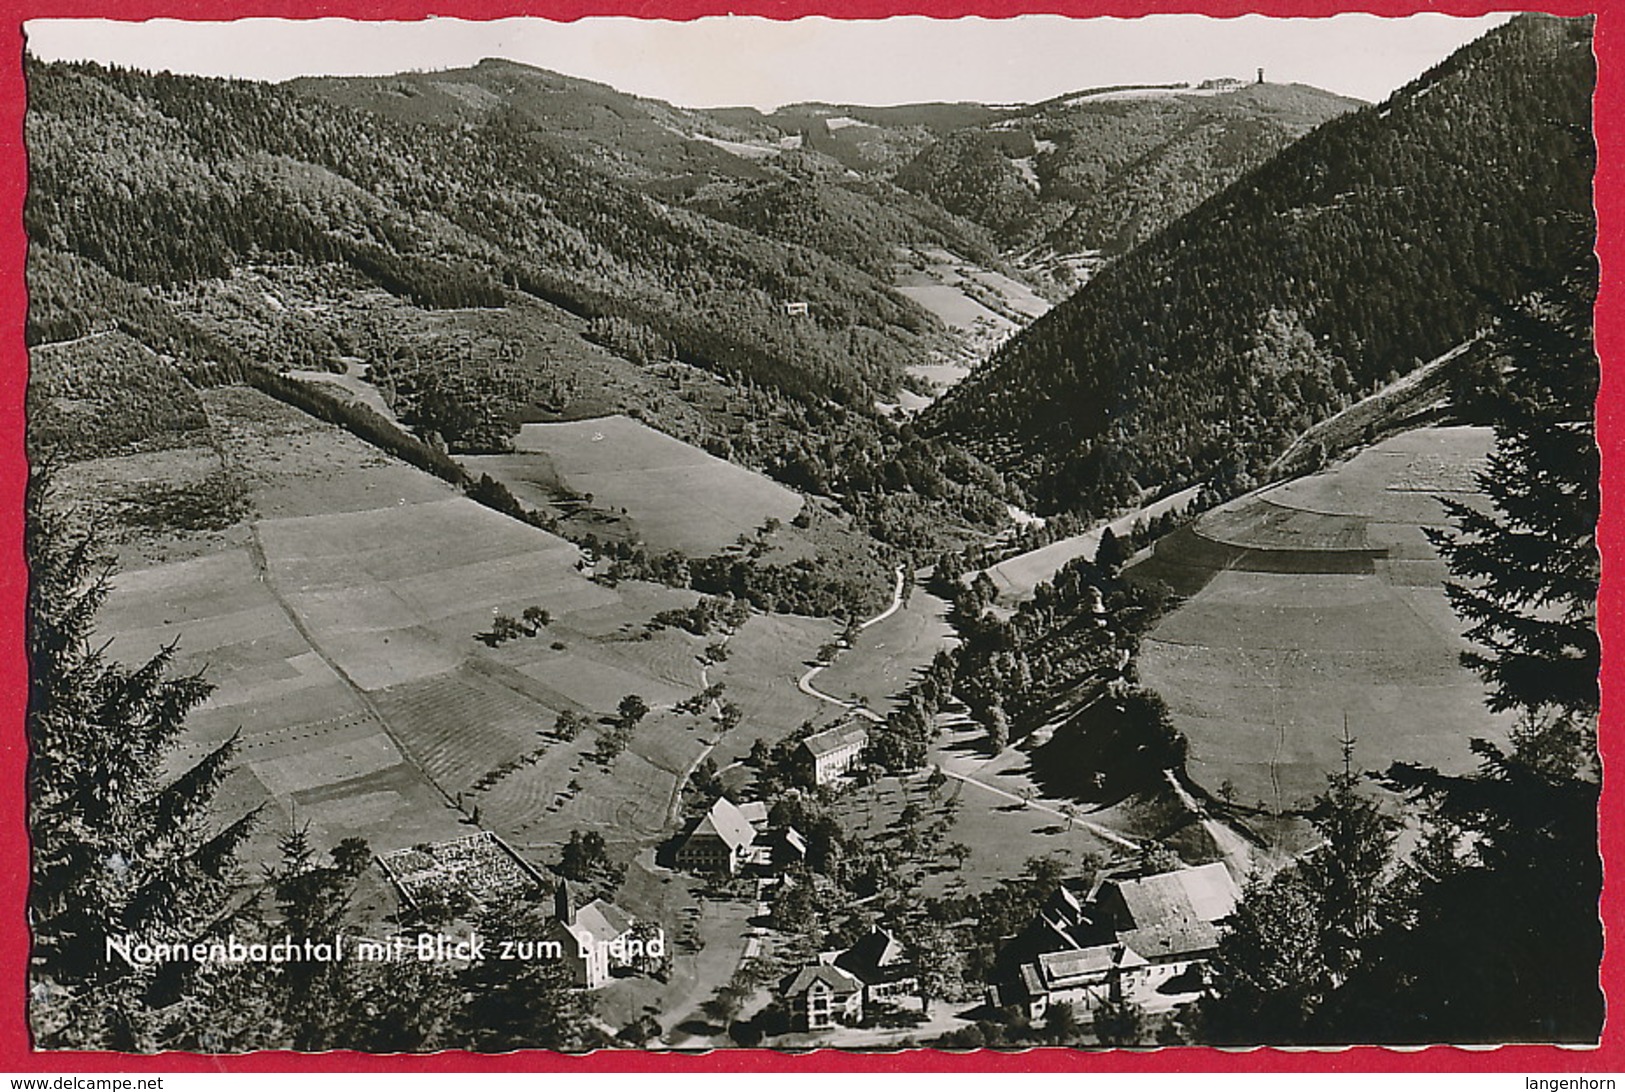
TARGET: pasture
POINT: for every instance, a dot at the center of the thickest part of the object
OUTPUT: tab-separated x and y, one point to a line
886	656
986	800
1314	601
1016	577
307	743
968	297
676	496
126	493
765	658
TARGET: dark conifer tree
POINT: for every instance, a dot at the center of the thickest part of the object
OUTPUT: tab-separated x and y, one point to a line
120	850
1526	572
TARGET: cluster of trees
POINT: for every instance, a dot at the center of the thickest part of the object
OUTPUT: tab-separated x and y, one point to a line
585	860
900	744
505	627
862	222
1079	630
108	395
710	612
612	740
816	586
1360	251
471	405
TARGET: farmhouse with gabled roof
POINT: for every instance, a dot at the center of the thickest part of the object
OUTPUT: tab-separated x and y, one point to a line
821	996
723	840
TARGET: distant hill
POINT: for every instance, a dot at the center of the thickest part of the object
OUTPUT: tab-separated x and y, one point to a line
1103	169
1360	251
1097	170
637	139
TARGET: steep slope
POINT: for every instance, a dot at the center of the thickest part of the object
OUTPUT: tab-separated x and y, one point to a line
1367	247
471	277
163	180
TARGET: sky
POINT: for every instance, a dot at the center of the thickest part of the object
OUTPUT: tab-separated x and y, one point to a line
751	61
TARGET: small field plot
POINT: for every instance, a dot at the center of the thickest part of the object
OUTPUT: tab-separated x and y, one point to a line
963	294
540	804
1016	577
952	305
1283	635
159	507
592	683
296	465
677	496
306	747
225	623
765	658
887	655
399	594
461	725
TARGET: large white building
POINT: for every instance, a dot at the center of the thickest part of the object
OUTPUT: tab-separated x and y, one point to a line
725	839
830	753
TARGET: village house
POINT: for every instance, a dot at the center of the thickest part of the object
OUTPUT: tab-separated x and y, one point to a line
588	937
830	753
844	984
725	839
1142	938
821	996
881	963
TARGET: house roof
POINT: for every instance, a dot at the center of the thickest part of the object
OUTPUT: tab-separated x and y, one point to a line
754	811
726	821
872	956
1061	969
604	920
832	976
834	739
789	838
1205	893
1173	939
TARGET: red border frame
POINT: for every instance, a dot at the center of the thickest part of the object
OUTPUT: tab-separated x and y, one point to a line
15	1052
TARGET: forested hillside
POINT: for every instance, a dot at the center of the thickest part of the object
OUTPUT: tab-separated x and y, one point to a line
1102	170
162	180
483	272
1364	249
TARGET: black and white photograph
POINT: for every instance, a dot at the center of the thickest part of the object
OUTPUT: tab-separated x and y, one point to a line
974	534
